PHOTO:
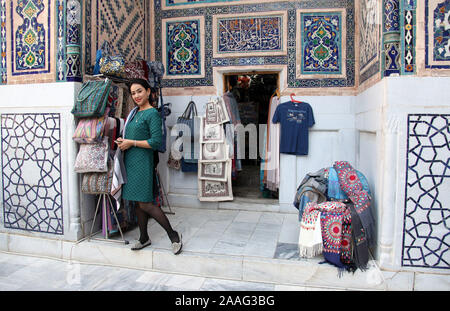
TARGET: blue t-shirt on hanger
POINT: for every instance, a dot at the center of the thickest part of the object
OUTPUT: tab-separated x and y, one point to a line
295	120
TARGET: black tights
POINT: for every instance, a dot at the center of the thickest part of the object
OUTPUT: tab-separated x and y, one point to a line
146	210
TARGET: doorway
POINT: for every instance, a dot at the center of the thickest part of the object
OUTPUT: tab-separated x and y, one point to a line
253	92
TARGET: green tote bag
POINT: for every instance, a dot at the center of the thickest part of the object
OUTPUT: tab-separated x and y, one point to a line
92	99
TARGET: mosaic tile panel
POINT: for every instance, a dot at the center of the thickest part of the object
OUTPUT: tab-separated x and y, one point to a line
437	34
263	9
183	48
249	35
441	16
427	203
408	36
31	36
122	22
3	63
31	172
369	39
391	38
321	43
391	16
73	41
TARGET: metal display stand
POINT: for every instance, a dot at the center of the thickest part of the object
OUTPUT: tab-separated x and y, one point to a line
165	199
102	199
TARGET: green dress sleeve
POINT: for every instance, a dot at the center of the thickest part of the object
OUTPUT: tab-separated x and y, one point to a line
154	124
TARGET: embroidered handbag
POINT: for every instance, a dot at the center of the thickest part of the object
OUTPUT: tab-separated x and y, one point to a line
92	99
90	130
92	157
188	119
97	183
172	163
112	65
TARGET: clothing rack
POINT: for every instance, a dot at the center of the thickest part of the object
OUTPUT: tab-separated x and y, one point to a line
102	199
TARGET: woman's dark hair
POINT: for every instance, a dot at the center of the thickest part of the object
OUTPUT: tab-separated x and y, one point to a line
142	82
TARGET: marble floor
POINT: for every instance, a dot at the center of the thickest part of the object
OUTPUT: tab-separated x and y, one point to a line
24	273
227	232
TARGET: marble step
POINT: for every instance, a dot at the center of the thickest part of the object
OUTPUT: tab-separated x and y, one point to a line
301	272
238	203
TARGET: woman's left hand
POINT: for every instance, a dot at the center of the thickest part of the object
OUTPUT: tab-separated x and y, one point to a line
124	144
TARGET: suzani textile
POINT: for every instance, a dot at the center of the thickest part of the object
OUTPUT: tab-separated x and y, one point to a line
321	44
250	34
183	48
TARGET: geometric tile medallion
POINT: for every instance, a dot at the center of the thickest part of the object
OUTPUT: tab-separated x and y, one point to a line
183	47
427	201
31	28
437	34
243	34
321	44
31	172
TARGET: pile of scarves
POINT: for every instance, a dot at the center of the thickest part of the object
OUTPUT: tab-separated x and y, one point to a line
342	232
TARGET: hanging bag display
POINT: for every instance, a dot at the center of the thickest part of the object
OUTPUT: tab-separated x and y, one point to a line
97	183
188	119
90	130
112	65
92	99
92	157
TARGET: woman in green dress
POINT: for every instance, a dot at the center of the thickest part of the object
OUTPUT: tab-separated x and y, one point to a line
142	137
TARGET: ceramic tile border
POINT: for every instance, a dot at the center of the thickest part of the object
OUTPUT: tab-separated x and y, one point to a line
343	47
282	14
164	23
3	43
164	5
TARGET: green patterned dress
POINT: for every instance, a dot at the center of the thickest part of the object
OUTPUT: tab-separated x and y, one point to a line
139	162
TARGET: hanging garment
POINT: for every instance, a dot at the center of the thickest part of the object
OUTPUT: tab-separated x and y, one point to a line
272	156
120	174
360	245
351	184
232	108
295	120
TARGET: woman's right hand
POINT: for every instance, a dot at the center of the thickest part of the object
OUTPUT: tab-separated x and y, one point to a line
124	144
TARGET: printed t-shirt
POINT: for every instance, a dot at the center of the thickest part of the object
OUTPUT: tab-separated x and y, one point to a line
295	120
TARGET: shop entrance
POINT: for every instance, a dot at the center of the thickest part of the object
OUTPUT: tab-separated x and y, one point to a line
253	92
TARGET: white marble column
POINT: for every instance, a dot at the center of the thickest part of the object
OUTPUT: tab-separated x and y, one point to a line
387	219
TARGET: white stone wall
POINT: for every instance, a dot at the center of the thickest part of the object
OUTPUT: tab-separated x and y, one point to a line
46	98
382	123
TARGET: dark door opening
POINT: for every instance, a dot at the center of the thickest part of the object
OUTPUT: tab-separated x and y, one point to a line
253	92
